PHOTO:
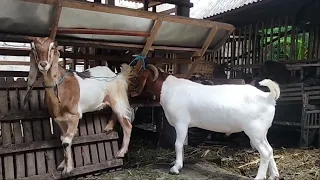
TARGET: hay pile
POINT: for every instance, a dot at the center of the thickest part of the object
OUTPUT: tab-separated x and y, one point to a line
295	164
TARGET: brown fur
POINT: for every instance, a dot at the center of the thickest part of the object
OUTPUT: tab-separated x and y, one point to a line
65	111
144	83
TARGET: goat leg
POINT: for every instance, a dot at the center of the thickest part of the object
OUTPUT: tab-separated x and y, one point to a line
127	128
111	123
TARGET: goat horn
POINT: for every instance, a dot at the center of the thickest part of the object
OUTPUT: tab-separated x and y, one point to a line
155	71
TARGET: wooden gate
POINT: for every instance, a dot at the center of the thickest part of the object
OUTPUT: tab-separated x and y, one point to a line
31	146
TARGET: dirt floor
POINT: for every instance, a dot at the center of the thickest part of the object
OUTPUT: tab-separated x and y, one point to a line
212	161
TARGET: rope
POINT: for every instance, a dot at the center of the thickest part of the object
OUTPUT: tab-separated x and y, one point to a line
54	83
139	57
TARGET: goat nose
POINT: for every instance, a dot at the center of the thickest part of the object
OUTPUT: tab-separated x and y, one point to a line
43	64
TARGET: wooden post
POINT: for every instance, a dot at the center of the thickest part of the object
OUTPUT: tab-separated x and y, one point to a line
56	18
202	51
145	5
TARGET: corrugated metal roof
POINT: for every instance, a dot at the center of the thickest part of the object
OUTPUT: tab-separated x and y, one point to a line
204	9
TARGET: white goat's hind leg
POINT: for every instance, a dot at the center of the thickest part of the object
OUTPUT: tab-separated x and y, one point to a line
274	173
181	133
265	153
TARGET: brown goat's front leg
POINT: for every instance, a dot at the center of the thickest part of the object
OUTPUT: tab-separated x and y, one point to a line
67	143
63	127
111	123
127	128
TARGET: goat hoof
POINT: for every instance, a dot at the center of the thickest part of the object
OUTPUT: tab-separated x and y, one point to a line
174	171
120	154
66	171
172	163
273	177
61	166
107	130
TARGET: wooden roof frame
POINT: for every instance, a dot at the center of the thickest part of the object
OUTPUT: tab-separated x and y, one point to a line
158	18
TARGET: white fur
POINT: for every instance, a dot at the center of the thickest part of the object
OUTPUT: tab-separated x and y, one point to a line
93	91
221	108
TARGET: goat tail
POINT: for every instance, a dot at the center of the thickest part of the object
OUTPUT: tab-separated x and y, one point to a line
273	87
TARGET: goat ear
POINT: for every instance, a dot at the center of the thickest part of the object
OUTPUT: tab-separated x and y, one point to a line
32	77
142	83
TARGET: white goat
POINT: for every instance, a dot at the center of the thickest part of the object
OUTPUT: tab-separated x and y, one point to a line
70	94
220	108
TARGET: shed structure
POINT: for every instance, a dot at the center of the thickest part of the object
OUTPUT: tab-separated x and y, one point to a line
91	34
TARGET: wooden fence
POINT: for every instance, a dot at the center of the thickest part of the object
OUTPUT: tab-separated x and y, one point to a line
30	146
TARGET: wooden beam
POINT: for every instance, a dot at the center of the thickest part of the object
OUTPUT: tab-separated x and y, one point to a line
135	13
110	164
145	5
109	58
38	145
101	32
56	18
152	4
169	11
175	2
150	40
202	51
96	44
152	36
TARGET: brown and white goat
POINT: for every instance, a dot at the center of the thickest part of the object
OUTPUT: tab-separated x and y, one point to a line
220	108
70	94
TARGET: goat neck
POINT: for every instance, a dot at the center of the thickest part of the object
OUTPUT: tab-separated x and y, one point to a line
156	87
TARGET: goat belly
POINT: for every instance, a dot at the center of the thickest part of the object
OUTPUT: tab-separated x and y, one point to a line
223	108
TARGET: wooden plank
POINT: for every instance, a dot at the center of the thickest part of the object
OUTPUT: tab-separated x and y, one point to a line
28	136
47	135
17	133
303	48
93	147
102	32
293	54
79	171
244	45
285	36
279	36
255	45
115	147
37	133
107	145
271	39
156	26
317	37
135	13
85	148
6	135
98	130
152	36
79	56
249	45
239	46
201	52
31	115
56	18
265	46
55	143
